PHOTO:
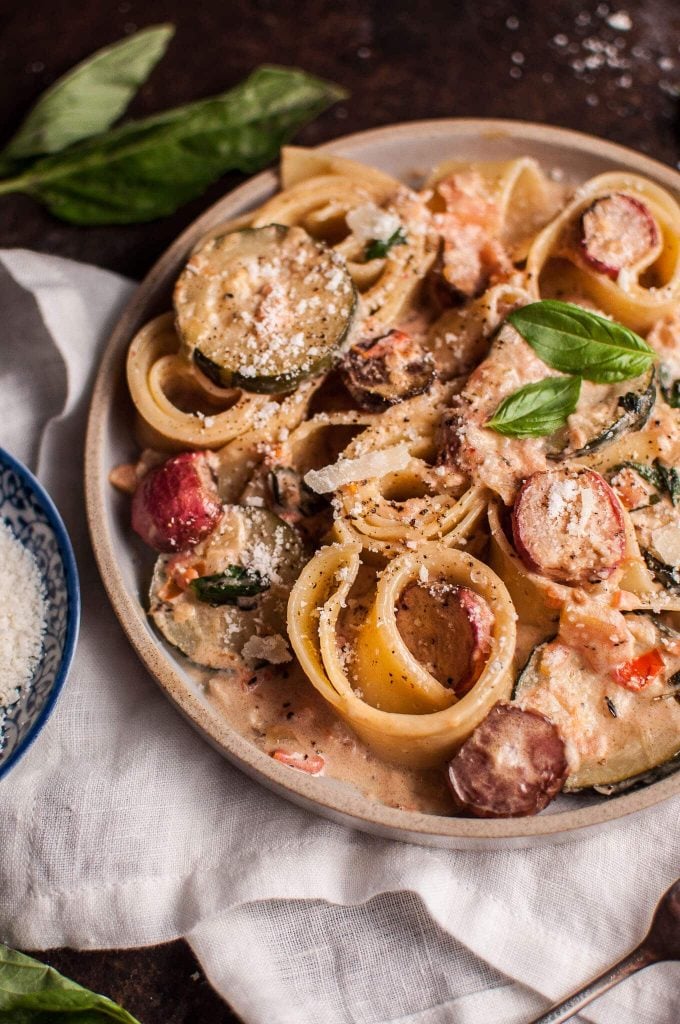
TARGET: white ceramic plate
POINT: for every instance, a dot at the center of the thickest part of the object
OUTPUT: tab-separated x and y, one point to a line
407	151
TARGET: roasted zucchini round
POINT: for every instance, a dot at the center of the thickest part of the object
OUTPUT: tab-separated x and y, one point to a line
264	308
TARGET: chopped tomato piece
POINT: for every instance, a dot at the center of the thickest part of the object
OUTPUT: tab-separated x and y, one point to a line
639	672
310	763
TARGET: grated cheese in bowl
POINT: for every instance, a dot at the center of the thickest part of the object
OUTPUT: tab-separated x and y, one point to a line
22	616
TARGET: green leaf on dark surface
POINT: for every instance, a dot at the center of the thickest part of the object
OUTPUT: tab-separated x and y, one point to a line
536	410
574	340
33	993
90	98
378	248
146	169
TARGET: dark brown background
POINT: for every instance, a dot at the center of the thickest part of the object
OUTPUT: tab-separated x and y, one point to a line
561	63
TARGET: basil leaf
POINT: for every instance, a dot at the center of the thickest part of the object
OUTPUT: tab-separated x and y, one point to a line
537	409
33	993
670	389
89	98
146	169
230	586
378	248
574	340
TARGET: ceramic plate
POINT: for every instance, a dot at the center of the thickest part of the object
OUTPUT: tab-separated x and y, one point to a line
407	151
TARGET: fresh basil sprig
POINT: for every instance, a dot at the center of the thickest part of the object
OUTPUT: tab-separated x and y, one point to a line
574	340
33	993
90	97
147	168
537	409
378	248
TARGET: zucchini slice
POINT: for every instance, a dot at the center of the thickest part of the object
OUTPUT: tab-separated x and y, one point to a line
630	408
264	308
212	622
613	735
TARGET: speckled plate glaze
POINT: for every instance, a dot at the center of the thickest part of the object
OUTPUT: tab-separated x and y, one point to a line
29	512
406	151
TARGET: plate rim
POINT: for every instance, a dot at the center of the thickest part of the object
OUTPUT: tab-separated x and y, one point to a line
314	793
72	581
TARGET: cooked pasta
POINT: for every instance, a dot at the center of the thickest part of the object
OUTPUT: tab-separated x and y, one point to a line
427	420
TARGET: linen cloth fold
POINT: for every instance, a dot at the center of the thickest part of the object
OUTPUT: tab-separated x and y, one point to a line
122	827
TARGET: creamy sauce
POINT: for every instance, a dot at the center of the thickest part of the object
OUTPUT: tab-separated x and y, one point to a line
278	709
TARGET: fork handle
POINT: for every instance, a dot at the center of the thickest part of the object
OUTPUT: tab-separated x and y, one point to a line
635	961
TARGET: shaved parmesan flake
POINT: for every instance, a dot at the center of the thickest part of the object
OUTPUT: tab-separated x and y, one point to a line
666	541
365	467
273	649
369	223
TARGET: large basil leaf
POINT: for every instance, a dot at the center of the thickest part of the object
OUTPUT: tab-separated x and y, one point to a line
33	993
147	168
89	98
574	340
536	410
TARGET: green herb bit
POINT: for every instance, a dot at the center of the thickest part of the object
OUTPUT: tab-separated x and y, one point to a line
230	586
377	249
670	389
574	340
666	479
668	575
536	410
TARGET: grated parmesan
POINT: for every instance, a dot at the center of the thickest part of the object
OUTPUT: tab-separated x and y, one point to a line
368	223
22	615
365	467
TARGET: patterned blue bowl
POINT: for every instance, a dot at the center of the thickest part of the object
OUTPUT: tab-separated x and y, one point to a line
30	513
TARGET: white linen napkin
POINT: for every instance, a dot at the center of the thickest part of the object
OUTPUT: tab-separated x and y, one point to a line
122	827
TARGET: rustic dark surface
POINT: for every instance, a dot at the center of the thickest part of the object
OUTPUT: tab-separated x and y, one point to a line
560	62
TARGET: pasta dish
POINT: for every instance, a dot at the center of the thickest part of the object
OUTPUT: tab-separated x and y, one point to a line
410	462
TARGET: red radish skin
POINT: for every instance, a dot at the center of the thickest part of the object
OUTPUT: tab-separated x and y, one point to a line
176	505
616	232
512	765
567	525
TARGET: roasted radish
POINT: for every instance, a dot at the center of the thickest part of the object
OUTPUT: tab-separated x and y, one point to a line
567	525
176	505
513	765
616	232
448	630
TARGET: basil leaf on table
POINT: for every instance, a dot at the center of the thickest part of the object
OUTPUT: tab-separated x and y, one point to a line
33	993
574	340
89	98
536	409
147	168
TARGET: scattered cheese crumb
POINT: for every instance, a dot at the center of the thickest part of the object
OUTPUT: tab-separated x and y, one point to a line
273	649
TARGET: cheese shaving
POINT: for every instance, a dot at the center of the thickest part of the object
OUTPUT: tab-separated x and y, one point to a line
365	467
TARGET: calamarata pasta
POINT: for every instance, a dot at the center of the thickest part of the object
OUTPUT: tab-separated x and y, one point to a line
410	462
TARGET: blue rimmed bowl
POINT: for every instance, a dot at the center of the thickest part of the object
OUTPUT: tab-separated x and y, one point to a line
27	509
